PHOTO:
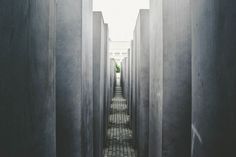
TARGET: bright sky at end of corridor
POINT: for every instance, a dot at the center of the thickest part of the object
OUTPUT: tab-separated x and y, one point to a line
120	15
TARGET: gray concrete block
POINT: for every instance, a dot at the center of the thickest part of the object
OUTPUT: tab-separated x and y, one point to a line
156	79
99	50
141	52
124	77
74	79
27	82
129	84
112	77
133	91
107	99
170	79
213	78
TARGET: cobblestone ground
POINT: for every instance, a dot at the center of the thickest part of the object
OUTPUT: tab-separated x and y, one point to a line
119	135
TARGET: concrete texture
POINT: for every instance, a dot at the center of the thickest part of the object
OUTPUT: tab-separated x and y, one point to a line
74	78
112	78
170	79
126	81
141	44
133	91
213	78
129	84
156	79
27	82
124	77
99	49
107	99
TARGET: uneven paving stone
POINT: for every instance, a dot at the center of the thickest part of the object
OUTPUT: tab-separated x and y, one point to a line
119	136
119	118
120	150
119	98
118	106
119	133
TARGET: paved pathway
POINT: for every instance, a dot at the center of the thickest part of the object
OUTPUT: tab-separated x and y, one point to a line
119	141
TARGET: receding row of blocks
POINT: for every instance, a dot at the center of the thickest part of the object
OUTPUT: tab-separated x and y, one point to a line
181	75
56	79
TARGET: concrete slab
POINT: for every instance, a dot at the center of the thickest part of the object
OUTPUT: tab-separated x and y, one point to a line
112	77
124	77
133	91
107	99
74	79
27	82
141	51
99	50
213	79
129	84
170	79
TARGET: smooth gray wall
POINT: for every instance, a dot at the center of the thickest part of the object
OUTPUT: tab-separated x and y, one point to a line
74	78
112	77
213	78
170	86
107	91
99	50
133	89
129	85
27	78
124	77
141	44
134	93
156	79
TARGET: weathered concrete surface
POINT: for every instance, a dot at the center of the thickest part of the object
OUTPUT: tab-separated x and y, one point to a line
133	89
99	50
127	77
27	70
124	77
156	79
170	79
213	79
141	44
129	84
74	79
112	77
107	99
